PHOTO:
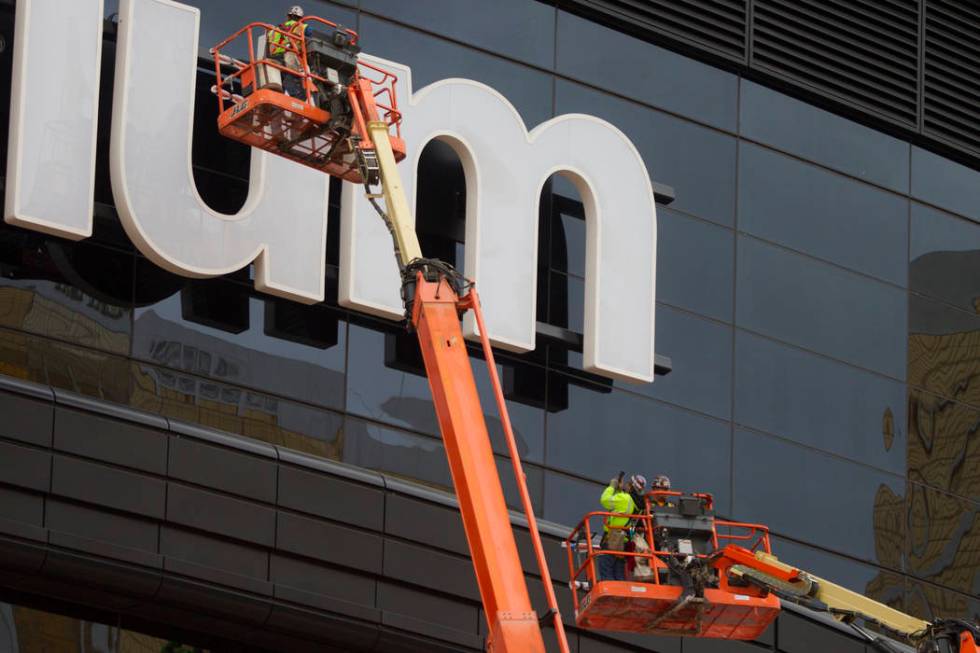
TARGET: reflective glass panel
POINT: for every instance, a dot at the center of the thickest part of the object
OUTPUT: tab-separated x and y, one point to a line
433	59
945	183
944	451
819	498
612	60
942	350
943	539
218	329
600	434
819	402
875	582
186	397
698	162
423	458
822	213
930	602
821	307
522	29
74	292
802	129
379	388
567	498
945	257
695	264
702	354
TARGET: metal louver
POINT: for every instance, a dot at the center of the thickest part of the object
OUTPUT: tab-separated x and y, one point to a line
864	52
715	25
951	103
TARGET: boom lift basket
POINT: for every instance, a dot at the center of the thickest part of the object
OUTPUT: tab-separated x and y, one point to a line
680	539
319	127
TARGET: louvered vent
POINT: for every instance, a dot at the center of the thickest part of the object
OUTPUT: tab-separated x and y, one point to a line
716	25
951	108
864	52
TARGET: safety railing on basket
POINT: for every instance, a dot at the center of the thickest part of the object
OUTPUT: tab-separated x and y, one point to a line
244	72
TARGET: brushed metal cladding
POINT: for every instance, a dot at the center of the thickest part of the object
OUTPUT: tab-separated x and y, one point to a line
337	558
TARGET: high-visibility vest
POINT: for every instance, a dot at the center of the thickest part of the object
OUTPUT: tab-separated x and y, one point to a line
278	40
619	501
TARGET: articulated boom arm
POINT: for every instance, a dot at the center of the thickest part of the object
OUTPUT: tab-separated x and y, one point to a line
792	584
434	296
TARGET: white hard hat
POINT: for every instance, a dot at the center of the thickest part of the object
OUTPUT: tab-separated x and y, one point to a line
638	481
296	10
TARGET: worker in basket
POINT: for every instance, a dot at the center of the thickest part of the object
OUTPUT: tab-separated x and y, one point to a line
617	498
282	49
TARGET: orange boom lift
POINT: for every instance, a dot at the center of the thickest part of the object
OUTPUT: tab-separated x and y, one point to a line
342	118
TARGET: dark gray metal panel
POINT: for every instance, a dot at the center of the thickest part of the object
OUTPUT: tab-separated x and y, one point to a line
26	419
798	635
26	467
427	523
213	600
325	588
118	411
215	560
25	388
694	645
330	467
111	440
19	506
108	534
18	558
111	583
224	515
429	615
108	486
333	543
555	555
316	493
430	568
341	632
223	469
223	439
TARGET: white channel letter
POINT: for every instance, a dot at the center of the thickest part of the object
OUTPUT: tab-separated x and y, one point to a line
54	102
506	167
282	226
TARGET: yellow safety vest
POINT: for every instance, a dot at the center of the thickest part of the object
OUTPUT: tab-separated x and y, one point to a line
619	501
278	40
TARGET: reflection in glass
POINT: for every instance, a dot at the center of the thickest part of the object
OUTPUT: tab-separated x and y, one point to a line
944	539
819	402
929	602
945	257
422	458
885	586
385	392
943	449
819	498
215	329
945	183
190	398
943	347
75	292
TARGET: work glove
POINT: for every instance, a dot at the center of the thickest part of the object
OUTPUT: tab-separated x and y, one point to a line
615	483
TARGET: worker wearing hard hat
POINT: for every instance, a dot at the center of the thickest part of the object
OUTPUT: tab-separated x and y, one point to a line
617	498
282	48
662	483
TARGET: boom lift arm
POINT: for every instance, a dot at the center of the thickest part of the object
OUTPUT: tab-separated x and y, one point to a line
795	585
347	125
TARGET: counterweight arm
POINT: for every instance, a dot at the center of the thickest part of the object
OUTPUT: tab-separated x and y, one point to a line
793	584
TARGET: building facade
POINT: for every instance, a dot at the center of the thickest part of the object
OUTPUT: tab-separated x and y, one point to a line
192	461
